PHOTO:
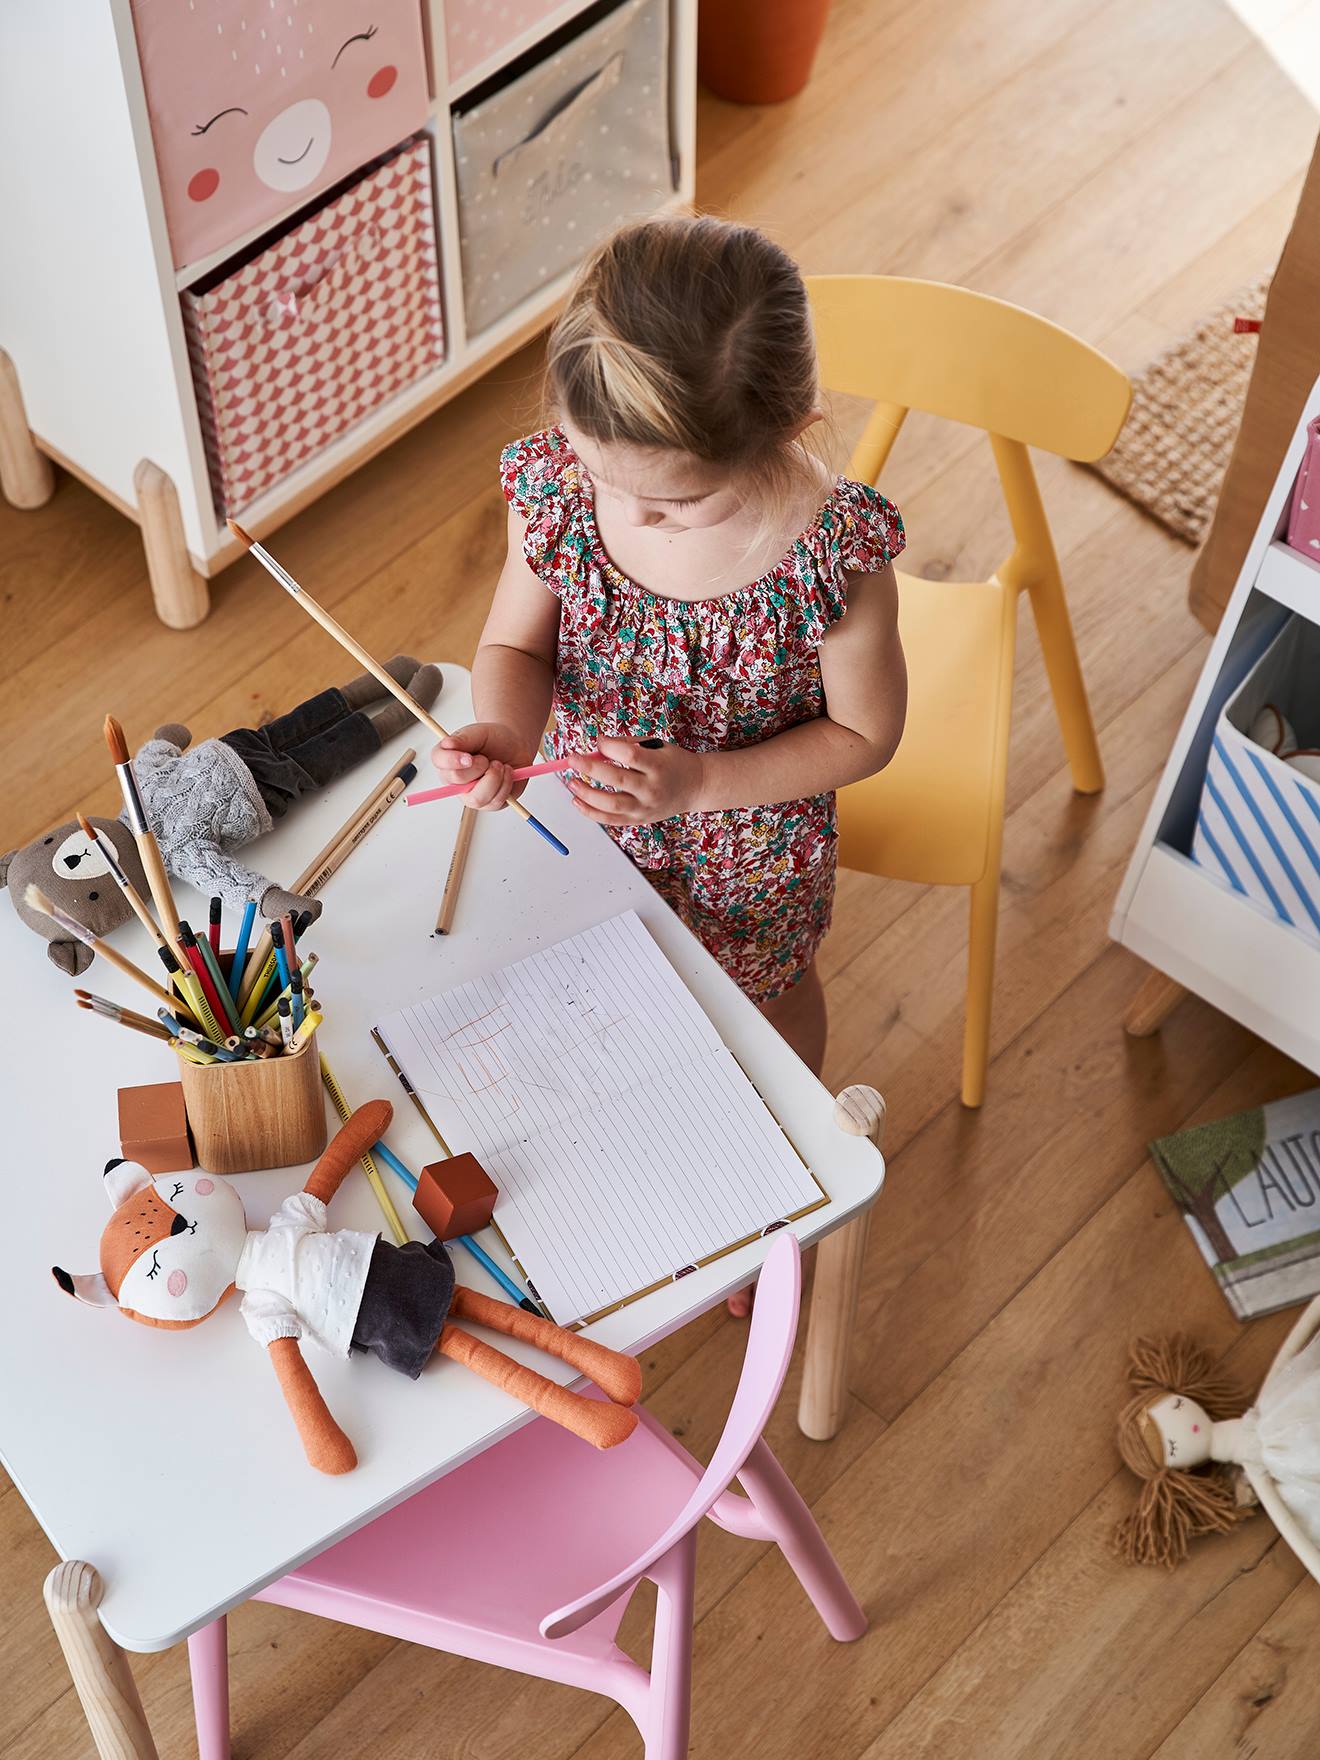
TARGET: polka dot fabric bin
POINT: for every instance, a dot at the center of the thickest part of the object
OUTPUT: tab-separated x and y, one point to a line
477	30
343	311
560	156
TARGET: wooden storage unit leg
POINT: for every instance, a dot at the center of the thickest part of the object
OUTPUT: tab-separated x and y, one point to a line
27	477
1152	1005
99	1668
181	595
824	1398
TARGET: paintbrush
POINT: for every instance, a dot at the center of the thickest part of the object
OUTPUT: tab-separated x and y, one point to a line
136	902
144	837
123	1017
360	654
37	900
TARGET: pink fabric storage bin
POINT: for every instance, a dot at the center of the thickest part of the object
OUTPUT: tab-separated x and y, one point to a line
1304	514
254	103
477	29
307	338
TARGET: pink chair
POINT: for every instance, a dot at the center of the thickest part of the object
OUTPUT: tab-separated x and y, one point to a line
540	1521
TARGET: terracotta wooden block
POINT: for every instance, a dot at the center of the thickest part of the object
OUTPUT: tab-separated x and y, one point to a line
153	1127
455	1197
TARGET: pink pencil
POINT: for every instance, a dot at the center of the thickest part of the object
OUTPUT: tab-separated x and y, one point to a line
443	794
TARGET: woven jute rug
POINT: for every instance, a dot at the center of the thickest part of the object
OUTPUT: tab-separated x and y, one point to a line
1186	405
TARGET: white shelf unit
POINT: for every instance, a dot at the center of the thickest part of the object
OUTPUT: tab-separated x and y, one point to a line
89	306
1169	910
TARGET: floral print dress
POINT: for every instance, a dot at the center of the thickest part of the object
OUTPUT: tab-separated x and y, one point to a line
756	884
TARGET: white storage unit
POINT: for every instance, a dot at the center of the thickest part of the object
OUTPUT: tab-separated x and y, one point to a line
1211	938
94	366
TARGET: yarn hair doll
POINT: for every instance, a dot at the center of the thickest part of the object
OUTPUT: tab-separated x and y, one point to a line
178	1244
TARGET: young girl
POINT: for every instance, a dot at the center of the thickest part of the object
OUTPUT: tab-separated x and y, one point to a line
697	600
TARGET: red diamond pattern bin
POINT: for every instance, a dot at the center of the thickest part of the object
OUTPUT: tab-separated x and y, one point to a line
296	346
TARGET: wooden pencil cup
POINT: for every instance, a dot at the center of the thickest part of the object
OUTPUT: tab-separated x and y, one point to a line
267	1113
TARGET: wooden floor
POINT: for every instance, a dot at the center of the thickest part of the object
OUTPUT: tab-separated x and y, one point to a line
1122	167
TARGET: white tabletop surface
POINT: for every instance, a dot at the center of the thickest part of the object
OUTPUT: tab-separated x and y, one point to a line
106	1426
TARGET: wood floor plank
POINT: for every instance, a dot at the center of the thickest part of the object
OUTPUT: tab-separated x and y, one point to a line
1122	168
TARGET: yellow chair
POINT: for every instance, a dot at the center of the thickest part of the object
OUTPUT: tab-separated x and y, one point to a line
936	814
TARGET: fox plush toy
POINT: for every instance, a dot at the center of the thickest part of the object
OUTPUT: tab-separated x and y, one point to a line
178	1244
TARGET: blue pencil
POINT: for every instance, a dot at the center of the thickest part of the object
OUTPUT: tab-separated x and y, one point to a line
241	948
281	957
482	1257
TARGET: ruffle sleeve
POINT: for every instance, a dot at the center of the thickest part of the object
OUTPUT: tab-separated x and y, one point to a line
858	532
533	476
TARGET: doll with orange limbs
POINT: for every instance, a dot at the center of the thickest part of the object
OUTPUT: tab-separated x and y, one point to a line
693	595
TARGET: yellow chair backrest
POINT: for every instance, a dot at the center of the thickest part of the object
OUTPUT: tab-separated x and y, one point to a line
967	357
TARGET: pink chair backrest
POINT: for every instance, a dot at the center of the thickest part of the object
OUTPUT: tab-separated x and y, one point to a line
769	1348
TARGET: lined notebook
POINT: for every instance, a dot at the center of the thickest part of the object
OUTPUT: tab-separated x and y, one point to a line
627	1144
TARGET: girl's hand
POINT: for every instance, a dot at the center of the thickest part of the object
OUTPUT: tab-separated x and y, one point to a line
637	782
482	753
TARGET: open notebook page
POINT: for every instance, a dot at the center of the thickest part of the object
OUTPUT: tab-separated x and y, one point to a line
626	1142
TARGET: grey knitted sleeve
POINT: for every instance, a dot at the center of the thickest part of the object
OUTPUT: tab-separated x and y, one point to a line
203	864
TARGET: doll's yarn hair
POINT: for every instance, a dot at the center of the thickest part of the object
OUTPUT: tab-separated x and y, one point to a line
692	333
1176	1504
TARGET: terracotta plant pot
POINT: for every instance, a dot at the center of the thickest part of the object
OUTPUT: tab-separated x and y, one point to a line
758	51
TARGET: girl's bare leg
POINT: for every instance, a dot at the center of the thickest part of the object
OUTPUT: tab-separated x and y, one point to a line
798	1016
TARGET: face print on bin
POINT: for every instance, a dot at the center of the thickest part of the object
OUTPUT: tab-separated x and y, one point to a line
254	103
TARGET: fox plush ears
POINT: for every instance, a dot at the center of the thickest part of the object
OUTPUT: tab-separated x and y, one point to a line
170	1250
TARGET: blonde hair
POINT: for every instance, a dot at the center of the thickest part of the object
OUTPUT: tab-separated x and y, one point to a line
693	333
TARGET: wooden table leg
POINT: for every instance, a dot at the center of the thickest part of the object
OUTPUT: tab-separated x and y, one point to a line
99	1667
824	1398
1152	1005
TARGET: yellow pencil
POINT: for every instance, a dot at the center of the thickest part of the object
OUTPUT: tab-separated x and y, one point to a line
369	1167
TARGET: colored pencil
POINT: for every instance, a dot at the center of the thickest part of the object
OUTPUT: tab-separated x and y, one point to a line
143	836
214	917
260	984
480	1254
369	1167
193	953
311	1021
257	958
190	1052
296	998
121	1017
467	825
136	903
286	1021
267	1013
194	997
347	844
211	960
37	900
522	774
171	1022
360	654
278	930
239	959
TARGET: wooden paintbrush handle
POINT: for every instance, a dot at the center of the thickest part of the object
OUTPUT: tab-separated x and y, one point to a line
158	882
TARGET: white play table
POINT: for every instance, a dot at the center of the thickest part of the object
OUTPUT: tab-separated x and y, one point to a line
103	1422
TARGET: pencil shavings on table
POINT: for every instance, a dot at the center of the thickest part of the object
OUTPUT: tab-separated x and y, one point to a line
176	1246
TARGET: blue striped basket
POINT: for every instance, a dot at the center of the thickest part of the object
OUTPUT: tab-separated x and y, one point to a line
1258	825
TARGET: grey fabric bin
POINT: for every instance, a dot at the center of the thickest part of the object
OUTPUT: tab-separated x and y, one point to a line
559	157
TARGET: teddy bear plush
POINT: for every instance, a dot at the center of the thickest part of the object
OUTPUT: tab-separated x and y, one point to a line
72	871
203	802
178	1244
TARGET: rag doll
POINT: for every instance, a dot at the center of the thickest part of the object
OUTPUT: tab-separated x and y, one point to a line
178	1244
203	802
1179	1435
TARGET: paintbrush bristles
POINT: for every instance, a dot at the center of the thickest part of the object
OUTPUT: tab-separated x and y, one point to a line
114	738
84	825
37	900
243	537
